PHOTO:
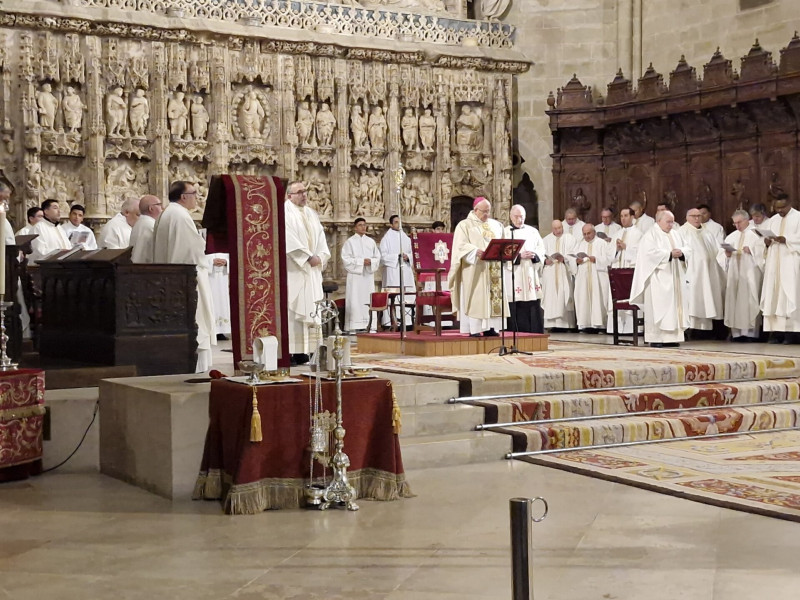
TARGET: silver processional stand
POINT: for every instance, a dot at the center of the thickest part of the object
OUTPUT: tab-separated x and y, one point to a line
6	364
399	178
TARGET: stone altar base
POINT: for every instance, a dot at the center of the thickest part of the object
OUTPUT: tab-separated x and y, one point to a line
152	431
449	343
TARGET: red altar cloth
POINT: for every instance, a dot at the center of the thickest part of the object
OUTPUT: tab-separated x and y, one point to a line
21	419
249	477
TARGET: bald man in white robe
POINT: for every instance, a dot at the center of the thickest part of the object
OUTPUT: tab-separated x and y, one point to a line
558	279
591	281
706	278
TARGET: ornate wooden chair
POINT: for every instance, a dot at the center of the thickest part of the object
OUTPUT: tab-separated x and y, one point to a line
378	302
431	253
620	281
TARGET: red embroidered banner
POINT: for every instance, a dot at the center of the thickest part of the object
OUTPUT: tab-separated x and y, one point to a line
21	419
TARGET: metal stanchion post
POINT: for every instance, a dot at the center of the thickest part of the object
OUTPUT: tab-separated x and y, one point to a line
522	546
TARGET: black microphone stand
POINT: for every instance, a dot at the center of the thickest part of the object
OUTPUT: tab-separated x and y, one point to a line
513	349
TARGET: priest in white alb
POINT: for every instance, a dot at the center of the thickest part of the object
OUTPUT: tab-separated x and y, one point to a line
361	259
177	241
558	279
659	282
780	296
715	230
475	284
524	289
218	280
643	221
150	207
591	281
572	224
622	249
116	233
607	225
705	277
51	235
307	254
742	258
395	251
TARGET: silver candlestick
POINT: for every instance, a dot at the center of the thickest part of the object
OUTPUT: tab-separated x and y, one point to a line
6	364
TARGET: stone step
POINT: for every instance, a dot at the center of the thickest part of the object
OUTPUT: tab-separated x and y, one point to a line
436	419
416	390
453	449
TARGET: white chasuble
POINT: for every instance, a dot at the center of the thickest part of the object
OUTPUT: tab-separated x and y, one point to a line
591	285
360	279
644	223
115	234
744	271
176	241
142	240
659	285
558	279
527	285
705	278
780	295
622	258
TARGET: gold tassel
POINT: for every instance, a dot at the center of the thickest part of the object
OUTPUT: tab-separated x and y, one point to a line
397	417
255	420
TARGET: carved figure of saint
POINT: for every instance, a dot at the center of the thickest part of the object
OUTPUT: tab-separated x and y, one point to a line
410	128
200	118
375	192
492	9
377	128
358	127
326	123
469	130
48	105
115	112
178	116
73	109
139	113
305	124
424	204
251	116
737	191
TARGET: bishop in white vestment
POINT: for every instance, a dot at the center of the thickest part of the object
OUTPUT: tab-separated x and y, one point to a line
150	207
51	236
475	284
361	259
591	281
116	233
622	249
705	277
780	296
524	289
177	241
659	282
558	279
744	270
307	254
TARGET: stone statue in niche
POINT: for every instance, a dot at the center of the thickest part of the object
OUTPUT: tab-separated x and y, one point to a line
469	130
48	105
358	127
305	124
424	206
251	116
447	187
319	195
427	130
73	110
115	112
139	113
581	203
410	127
200	118
377	128
367	191
375	192
178	116
326	124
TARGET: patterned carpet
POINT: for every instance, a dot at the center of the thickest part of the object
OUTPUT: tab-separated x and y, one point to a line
752	473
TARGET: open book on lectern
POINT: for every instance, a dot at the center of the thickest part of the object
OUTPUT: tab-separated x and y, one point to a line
503	249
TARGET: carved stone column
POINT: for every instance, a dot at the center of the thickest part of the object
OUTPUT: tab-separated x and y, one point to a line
285	87
340	171
220	125
394	147
94	178
158	115
443	159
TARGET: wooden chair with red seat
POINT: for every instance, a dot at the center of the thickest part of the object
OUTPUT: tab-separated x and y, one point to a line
620	281
431	252
378	302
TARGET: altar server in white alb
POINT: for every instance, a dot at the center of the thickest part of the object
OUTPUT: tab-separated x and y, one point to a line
394	242
177	241
524	289
220	292
76	231
117	232
361	259
742	258
51	235
307	254
558	279
34	215
704	275
150	208
623	249
659	282
591	281
780	296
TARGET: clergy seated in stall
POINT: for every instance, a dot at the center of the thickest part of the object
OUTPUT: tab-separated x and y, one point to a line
176	241
558	279
524	288
34	215
659	283
307	254
150	208
475	284
780	295
758	214
395	249
741	256
220	293
361	259
51	235
622	250
591	282
607	226
704	275
77	233
572	224
116	233
643	221
715	230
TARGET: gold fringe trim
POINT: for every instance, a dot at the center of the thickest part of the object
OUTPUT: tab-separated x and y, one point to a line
397	416
255	420
12	414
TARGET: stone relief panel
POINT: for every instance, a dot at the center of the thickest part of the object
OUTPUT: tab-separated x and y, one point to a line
318	186
124	178
195	173
366	193
62	181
